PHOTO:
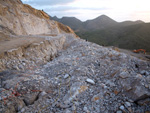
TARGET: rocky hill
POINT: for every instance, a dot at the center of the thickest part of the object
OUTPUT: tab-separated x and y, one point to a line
99	23
127	37
45	68
105	31
72	22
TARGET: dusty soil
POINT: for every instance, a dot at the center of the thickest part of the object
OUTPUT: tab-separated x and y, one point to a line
12	43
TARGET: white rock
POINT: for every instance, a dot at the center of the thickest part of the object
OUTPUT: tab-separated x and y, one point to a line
66	76
22	110
42	93
127	104
90	81
85	109
122	107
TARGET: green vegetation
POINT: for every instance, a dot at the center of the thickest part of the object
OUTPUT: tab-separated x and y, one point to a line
106	31
127	37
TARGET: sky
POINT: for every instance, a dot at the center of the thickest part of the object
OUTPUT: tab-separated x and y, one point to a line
119	10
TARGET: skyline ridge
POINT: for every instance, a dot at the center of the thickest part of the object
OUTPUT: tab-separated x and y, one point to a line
98	17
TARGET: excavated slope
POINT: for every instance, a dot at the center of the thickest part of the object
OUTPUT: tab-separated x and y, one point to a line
46	69
17	22
22	19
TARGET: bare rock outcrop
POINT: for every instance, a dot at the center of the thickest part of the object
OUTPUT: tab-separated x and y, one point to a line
35	52
22	19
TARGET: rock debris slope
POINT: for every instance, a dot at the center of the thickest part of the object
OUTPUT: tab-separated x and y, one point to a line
85	77
55	72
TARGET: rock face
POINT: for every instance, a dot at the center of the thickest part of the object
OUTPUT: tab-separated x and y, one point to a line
57	72
37	53
22	19
17	48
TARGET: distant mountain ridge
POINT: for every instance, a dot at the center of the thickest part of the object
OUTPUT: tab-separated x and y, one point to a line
128	37
101	22
105	31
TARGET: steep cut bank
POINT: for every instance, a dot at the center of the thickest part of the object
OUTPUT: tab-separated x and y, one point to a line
36	50
22	19
17	22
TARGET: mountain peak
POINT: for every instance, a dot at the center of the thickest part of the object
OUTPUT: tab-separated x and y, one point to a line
100	22
104	18
140	21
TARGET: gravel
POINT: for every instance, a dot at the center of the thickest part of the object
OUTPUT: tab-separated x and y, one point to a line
82	78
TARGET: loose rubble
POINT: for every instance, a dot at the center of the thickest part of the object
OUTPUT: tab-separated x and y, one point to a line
83	78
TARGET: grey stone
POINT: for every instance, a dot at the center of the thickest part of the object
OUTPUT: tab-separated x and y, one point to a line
146	85
124	75
127	104
143	72
22	110
121	107
85	109
66	76
64	106
110	83
119	112
20	67
90	81
15	67
30	98
67	111
42	94
73	108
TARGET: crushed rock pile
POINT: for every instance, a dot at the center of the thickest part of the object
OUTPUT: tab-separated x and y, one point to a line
84	78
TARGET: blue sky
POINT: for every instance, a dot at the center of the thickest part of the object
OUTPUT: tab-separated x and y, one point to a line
119	10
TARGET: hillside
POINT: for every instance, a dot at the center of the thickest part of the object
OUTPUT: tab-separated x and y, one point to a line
46	68
72	22
105	31
100	22
128	23
128	37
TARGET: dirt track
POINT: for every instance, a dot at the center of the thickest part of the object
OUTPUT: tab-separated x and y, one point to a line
13	43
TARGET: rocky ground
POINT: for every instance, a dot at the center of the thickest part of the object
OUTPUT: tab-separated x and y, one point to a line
83	78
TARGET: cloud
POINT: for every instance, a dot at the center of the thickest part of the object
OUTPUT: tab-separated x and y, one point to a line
82	13
68	8
46	2
89	9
